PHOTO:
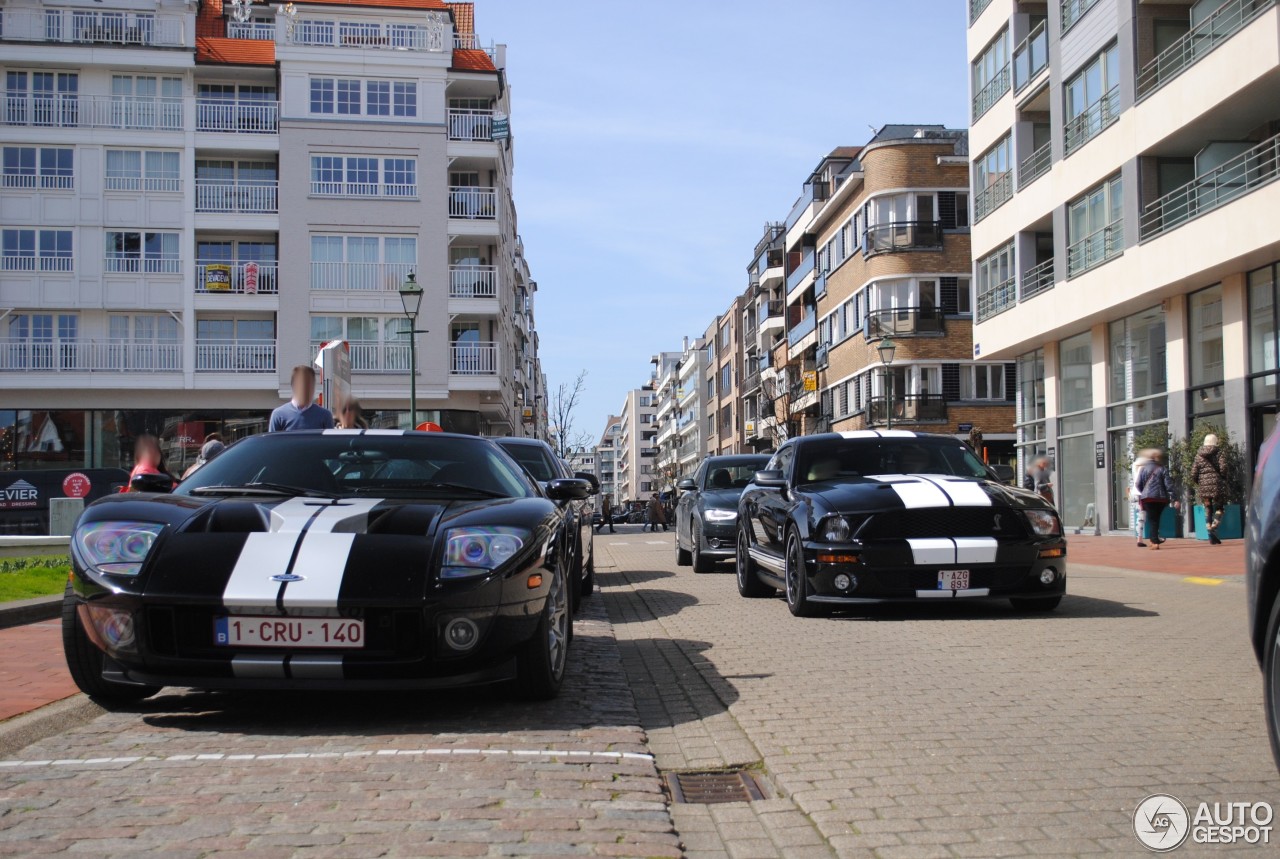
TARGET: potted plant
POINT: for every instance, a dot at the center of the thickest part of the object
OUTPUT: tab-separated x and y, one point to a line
1182	458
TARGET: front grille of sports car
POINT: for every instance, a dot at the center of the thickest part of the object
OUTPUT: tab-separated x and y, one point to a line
905	582
923	522
188	632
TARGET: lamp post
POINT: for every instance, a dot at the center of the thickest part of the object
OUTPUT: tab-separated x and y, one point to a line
886	350
411	298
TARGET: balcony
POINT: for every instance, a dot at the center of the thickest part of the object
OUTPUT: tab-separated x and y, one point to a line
899	236
1246	172
976	8
802	270
1197	43
365	189
390	357
256	197
248	277
1073	10
470	124
235	356
994	89
473	203
93	27
992	197
1095	249
473	359
910	409
231	116
1030	58
473	281
1036	280
751	382
314	32
72	110
771	315
998	299
1096	118
89	356
360	276
905	322
259	31
806	325
1035	165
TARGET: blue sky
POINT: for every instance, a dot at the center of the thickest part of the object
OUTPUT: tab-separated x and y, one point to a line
654	140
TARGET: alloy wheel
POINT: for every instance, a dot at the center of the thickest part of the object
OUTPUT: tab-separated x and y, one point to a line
558	628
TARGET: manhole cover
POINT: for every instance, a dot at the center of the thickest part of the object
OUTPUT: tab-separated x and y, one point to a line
709	788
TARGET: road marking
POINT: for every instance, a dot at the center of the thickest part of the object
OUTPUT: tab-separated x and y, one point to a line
1201	580
655	542
219	757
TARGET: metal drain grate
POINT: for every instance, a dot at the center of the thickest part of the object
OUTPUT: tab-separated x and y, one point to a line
710	788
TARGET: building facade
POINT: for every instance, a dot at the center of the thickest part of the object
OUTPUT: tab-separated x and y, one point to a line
1124	239
163	267
764	331
722	378
636	446
607	461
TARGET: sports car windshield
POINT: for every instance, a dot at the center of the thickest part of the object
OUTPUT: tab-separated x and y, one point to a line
361	465
732	473
534	457
851	458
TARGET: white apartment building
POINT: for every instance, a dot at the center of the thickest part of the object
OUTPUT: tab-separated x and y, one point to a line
666	407
1124	236
193	197
607	461
636	445
764	327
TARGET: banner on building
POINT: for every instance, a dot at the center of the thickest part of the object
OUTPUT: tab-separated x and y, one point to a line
501	127
810	381
251	278
217	277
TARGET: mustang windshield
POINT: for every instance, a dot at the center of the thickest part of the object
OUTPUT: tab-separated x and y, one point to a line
362	464
846	458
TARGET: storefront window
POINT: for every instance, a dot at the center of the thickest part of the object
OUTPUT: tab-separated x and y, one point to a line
1075	463
1204	330
1031	410
1264	397
1137	385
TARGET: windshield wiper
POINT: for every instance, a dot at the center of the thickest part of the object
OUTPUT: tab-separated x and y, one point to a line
264	489
416	485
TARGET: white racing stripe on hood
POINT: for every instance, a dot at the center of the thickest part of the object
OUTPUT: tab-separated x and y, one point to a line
321	563
914	492
347	514
963	493
263	556
976	550
939	550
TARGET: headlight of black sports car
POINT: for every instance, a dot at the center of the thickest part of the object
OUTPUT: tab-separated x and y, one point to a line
1044	523
836	529
116	548
478	550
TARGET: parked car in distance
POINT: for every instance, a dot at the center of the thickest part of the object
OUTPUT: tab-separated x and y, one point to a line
1262	580
707	511
842	519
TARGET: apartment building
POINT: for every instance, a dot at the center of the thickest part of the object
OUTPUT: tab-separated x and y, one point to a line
1126	255
722	399
162	266
607	460
679	439
764	330
636	445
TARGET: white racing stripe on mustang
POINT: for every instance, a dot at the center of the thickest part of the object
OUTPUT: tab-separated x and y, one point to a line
976	550
914	492
963	493
321	561
927	552
263	556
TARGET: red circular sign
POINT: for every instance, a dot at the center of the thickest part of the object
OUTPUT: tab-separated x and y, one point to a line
75	485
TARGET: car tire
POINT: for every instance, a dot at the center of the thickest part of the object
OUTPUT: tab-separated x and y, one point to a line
589	575
1271	679
1045	604
683	556
576	575
701	563
749	584
541	661
797	579
84	662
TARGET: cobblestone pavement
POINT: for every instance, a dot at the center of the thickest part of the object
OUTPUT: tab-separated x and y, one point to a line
944	730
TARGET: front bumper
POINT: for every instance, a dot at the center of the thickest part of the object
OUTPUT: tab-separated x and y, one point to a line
719	539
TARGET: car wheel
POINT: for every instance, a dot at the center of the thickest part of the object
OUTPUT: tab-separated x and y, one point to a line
541	661
683	556
1271	679
701	563
796	579
575	578
1036	603
84	662
749	584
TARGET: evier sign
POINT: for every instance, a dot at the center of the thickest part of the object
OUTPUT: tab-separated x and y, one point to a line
19	494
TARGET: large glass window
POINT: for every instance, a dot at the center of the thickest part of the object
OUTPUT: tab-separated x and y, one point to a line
1136	394
1075	432
1264	392
1095	227
1093	99
997	285
1030	409
1204	353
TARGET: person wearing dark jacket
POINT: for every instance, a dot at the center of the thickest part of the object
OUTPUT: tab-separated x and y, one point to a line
1155	493
657	513
1206	476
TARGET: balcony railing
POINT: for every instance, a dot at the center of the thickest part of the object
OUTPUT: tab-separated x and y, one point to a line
364	189
1030	57
771	309
89	356
235	356
975	9
473	359
237	117
248	197
241	277
1095	249
751	382
897	236
93	27
998	299
803	328
261	31
1246	172
1036	280
365	34
908	408
1073	10
473	281
473	203
991	92
72	110
802	270
1035	165
1096	118
470	124
360	276
904	322
1197	43
375	357
996	194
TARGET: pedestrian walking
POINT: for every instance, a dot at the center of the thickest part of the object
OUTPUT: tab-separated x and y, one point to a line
351	416
657	513
1155	493
1206	476
1039	478
1136	513
606	517
301	412
211	448
148	458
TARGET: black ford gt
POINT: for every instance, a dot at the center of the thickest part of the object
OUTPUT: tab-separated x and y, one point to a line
862	517
343	559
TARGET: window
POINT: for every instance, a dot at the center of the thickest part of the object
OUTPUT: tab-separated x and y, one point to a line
1095	227
348	96
1075	373
361	262
992	181
322	100
143	170
38	167
36	250
982	382
726	378
400	177
143	251
42	98
357	97
996	287
711	388
1093	99
991	74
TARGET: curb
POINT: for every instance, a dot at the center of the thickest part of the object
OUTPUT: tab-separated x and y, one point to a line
21	731
21	612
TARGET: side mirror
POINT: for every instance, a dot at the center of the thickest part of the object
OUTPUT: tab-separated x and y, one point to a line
770	479
568	489
590	478
686	485
151	483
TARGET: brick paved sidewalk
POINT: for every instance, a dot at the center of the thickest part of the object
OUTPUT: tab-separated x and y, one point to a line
1181	557
33	672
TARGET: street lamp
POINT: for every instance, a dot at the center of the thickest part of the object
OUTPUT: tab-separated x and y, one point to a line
411	298
886	350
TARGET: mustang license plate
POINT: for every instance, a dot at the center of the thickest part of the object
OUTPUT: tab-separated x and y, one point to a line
288	632
953	580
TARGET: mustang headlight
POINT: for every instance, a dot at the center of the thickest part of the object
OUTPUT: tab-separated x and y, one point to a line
1044	522
836	529
477	550
721	515
116	548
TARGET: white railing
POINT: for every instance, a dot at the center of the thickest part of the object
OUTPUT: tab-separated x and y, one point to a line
30	180
1095	249
35	263
93	27
235	356
473	281
142	183
249	197
473	359
133	264
247	277
240	117
470	124
362	189
72	110
261	31
474	203
375	357
360	275
365	34
89	356
1219	26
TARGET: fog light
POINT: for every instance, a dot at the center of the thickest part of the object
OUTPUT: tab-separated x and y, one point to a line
461	633
714	543
842	582
1048	575
113	628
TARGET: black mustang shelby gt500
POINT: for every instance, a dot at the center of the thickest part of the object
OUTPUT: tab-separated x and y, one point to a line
862	517
337	559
